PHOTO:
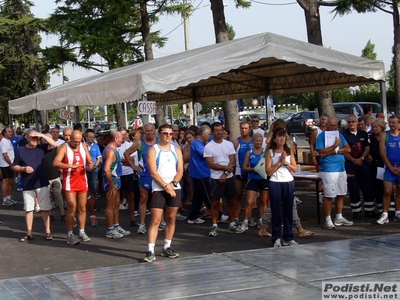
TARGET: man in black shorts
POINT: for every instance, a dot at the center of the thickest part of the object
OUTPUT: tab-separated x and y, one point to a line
165	164
220	156
6	162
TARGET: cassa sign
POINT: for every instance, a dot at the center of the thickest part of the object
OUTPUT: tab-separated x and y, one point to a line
67	115
146	108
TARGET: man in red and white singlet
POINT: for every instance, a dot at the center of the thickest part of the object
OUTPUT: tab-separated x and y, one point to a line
72	158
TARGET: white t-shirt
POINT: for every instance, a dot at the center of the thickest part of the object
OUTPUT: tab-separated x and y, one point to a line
126	170
220	153
60	142
6	147
258	130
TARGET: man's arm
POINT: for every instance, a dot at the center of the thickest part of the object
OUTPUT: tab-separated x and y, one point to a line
57	163
127	154
109	159
313	152
89	160
382	151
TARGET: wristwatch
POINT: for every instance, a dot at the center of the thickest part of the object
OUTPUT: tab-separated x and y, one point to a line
226	173
175	183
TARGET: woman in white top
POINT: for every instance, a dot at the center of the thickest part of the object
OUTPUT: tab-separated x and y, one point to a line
280	163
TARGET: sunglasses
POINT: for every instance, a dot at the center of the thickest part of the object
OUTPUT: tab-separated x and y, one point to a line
167	133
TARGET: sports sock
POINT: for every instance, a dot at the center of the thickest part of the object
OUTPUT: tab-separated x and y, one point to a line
81	231
167	244
339	216
151	247
69	233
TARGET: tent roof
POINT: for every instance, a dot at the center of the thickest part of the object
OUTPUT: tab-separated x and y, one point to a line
256	65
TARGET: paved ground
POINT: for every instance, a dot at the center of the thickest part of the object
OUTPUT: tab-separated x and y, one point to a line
42	257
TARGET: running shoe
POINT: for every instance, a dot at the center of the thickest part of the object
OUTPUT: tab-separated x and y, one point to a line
150	257
114	234
252	223
148	212
245	226
259	224
122	231
136	213
396	218
124	206
298	201
72	239
169	253
196	221
277	243
7	202
342	222
382	220
213	231
180	217
142	229
289	243
329	224
84	238
223	218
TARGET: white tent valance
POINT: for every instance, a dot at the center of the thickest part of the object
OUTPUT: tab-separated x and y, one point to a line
247	67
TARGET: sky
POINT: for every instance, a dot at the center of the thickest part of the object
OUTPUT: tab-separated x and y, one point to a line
348	34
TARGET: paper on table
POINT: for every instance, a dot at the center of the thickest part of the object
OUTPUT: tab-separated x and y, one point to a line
379	173
330	138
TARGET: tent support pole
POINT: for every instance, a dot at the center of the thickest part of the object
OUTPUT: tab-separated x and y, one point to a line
77	116
382	86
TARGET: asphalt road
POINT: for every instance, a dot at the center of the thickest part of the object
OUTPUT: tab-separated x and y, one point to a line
46	257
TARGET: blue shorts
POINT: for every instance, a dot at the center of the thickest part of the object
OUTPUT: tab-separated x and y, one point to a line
116	180
257	185
391	177
145	182
92	178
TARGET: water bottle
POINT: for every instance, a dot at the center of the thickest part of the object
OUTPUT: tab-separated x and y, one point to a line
298	167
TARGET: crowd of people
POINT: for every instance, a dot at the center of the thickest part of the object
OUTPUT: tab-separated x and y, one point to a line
151	171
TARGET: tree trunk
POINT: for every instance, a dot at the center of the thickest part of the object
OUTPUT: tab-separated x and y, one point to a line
120	115
148	54
230	107
396	56
314	36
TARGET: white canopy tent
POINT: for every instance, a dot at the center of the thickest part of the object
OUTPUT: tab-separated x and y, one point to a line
263	64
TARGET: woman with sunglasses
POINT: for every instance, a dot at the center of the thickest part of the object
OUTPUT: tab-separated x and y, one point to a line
280	164
165	164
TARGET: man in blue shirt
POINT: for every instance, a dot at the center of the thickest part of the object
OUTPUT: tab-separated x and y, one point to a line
333	174
199	173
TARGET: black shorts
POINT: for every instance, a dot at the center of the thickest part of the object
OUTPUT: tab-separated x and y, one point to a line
127	183
242	178
7	172
222	190
161	199
257	185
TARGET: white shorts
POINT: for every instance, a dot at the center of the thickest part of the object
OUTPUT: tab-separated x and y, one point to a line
335	183
42	194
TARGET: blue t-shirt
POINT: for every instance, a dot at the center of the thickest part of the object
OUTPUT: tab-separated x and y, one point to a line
94	151
198	164
14	141
333	162
33	157
393	148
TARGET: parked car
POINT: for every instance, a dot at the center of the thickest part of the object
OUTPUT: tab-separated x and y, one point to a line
246	116
295	123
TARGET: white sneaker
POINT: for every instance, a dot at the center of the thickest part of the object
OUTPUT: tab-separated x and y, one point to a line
289	243
142	229
298	201
252	223
321	197
382	220
277	243
329	224
114	234
123	206
343	222
136	213
180	217
7	202
196	221
223	218
244	226
162	226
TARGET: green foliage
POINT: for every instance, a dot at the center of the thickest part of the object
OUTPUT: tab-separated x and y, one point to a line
22	71
369	51
344	7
